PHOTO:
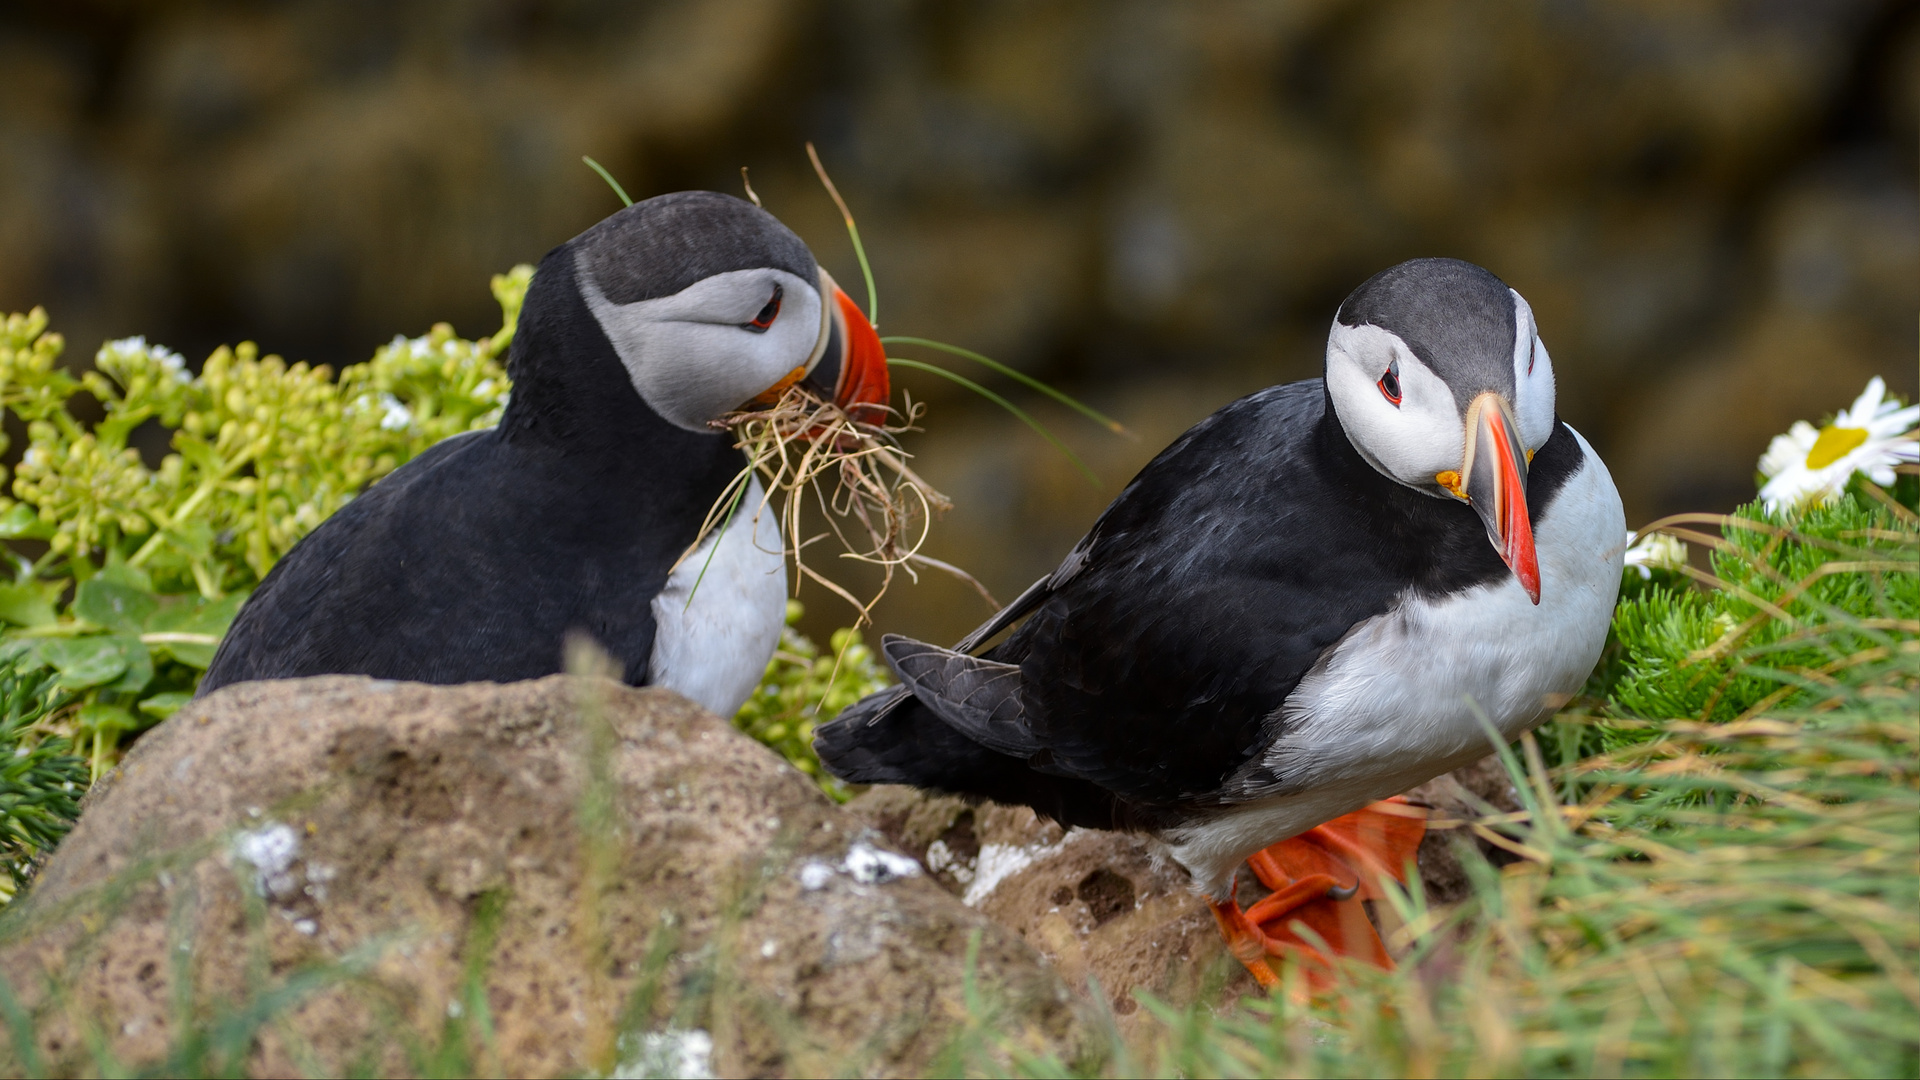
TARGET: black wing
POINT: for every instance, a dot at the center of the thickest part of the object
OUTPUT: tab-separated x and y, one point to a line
473	562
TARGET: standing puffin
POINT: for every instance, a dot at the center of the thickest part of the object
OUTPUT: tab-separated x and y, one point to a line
1303	605
477	558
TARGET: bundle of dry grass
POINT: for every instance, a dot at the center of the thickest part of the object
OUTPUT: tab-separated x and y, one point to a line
853	468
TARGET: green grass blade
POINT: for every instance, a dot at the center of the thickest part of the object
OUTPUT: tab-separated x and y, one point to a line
853	233
1083	409
1005	404
721	535
608	177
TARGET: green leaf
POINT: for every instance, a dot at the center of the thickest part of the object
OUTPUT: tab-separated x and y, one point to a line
162	705
107	719
192	615
86	661
22	654
23	523
118	572
139	665
112	604
31	604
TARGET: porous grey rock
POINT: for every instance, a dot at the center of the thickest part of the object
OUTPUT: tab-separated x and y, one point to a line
557	852
1109	909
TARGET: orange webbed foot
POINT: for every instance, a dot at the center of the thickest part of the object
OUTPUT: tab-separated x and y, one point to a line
1320	878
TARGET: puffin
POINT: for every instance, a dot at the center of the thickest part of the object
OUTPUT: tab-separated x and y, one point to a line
476	560
1314	599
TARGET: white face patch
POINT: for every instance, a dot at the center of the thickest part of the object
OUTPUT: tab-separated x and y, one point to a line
1532	378
1410	442
690	355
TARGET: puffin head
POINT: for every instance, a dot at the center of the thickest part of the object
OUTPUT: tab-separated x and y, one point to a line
1437	374
712	304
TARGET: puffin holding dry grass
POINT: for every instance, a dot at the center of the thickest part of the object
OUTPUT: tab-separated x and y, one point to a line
475	560
1304	605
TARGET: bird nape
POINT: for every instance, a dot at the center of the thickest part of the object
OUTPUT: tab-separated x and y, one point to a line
1316	598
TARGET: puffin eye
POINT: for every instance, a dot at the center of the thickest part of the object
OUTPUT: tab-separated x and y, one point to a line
767	315
1390	383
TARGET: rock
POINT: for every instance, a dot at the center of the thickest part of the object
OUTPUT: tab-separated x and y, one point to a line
1111	906
415	855
1098	904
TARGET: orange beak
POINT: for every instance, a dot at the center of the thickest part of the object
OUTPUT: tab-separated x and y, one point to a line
1496	486
862	387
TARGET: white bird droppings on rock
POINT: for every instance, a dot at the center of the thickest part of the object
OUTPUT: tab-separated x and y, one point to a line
869	865
814	875
675	1052
941	857
864	863
271	850
998	862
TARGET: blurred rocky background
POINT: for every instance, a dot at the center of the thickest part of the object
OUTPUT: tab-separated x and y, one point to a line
1156	206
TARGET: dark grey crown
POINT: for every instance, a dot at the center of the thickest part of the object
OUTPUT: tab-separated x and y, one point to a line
1456	317
664	244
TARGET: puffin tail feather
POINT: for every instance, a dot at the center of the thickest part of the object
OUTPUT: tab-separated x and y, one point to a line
897	736
979	698
862	745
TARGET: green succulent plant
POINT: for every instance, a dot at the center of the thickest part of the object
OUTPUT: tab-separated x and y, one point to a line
1794	595
125	575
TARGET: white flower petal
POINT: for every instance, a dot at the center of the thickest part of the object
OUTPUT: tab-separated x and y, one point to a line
1865	406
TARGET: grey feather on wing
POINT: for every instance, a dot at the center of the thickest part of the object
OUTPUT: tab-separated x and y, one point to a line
978	698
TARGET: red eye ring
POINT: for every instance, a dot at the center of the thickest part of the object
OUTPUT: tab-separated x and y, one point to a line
767	314
1390	383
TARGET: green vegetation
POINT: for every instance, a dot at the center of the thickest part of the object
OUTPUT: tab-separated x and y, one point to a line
1730	900
40	780
803	688
125	576
1800	596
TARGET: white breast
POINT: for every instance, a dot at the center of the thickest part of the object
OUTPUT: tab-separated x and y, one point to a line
714	648
1397	701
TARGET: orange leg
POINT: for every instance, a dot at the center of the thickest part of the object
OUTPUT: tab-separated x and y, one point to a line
1244	939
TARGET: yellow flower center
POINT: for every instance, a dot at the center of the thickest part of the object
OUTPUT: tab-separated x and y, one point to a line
1833	444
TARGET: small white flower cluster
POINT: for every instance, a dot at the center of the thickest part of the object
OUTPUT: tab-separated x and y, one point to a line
1807	466
132	350
1654	551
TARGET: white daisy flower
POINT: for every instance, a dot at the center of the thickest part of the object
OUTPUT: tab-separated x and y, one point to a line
1805	465
1655	551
